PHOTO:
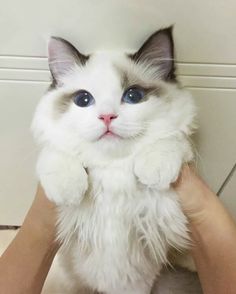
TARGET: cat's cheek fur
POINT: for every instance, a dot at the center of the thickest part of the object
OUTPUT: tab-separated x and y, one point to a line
63	178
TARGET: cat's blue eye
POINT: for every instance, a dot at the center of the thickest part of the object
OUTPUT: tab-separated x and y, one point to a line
83	99
133	95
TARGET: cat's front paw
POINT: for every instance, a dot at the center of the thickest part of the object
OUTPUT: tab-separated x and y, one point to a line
64	181
157	171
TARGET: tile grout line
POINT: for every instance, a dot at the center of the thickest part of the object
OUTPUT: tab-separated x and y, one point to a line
7	227
226	181
4	56
49	81
23	69
45	70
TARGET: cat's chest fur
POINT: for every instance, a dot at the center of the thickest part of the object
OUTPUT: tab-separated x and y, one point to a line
113	179
121	225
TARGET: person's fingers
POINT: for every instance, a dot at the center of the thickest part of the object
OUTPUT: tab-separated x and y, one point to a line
187	171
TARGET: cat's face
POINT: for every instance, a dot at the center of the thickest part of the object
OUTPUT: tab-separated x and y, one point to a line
110	100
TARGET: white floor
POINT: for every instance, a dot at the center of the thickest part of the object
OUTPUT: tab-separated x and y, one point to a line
6	236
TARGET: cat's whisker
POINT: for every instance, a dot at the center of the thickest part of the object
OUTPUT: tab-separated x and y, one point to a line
136	136
146	123
130	130
138	126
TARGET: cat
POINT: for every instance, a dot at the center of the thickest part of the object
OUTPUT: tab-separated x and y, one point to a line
114	132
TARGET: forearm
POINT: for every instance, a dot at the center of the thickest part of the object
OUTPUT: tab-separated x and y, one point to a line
213	234
26	262
214	250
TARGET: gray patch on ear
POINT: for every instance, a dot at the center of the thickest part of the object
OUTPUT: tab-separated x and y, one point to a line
62	56
158	51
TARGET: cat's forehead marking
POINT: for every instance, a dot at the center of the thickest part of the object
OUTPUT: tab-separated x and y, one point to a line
124	72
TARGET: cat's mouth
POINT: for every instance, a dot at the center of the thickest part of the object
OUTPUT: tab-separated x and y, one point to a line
109	134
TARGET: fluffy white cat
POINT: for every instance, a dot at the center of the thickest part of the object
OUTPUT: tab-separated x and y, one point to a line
114	133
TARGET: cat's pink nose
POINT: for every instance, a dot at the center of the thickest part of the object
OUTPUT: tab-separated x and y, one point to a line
107	118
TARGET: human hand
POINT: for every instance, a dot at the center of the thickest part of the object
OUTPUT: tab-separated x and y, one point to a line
213	233
194	194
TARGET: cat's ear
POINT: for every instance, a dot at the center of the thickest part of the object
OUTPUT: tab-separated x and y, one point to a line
62	56
158	52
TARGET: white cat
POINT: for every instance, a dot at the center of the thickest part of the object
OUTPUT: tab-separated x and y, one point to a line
114	133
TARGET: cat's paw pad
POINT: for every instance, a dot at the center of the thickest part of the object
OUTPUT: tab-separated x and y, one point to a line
157	172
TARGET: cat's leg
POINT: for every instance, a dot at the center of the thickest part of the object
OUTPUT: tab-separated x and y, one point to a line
63	178
159	164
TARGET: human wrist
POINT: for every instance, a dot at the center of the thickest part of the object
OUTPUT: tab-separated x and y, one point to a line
209	227
39	235
195	196
199	208
40	221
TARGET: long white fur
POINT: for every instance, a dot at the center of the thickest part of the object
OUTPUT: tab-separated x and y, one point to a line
118	221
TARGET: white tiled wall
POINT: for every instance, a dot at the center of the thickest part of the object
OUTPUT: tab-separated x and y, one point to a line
206	55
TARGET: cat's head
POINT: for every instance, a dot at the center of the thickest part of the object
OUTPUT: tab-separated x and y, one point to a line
112	101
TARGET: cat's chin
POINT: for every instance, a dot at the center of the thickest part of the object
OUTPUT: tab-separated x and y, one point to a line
113	145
